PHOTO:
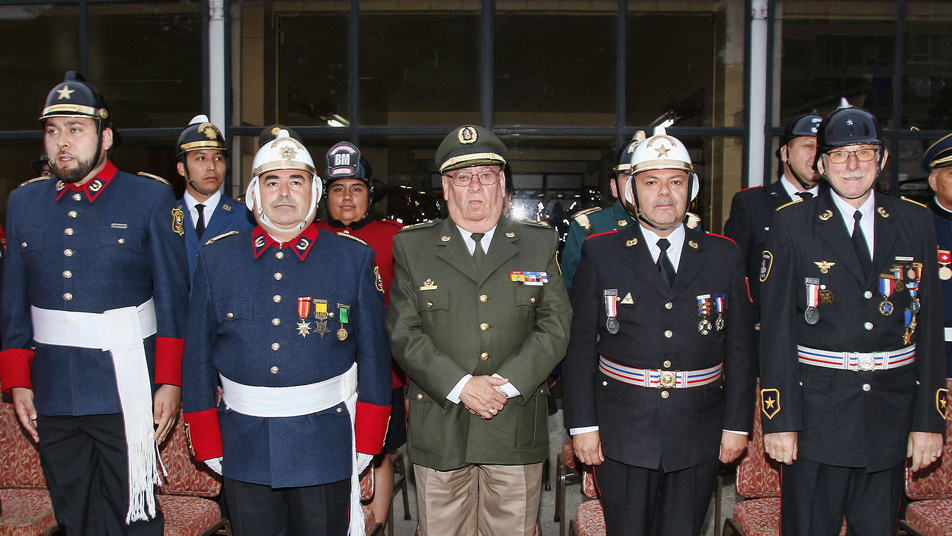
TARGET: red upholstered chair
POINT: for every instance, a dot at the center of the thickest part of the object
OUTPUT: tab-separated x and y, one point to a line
371	526
589	517
185	496
931	489
27	510
758	481
566	467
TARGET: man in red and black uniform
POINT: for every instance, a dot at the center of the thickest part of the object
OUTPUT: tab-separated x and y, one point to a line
351	190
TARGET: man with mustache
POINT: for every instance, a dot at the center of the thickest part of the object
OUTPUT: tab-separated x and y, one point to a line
478	317
852	361
289	341
660	371
938	162
92	321
202	162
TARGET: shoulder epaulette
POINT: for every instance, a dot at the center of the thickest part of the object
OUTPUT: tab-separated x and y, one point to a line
693	220
352	237
420	225
37	179
533	223
613	231
156	177
581	218
785	205
720	236
912	201
219	237
393	223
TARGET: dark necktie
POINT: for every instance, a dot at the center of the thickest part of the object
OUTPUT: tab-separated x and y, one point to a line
478	253
664	263
805	195
859	242
200	224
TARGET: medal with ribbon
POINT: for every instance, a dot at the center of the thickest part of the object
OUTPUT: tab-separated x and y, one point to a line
304	309
720	302
342	312
611	310
886	286
945	258
812	315
897	277
913	288
910	326
320	316
703	310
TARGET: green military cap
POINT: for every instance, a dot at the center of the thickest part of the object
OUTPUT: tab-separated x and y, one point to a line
470	145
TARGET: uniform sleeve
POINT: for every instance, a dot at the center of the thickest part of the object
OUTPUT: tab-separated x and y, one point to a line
740	362
581	362
199	375
549	336
572	253
169	290
430	368
739	227
930	343
16	328
373	362
779	366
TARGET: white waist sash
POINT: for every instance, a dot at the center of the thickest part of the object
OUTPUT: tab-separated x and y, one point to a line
298	400
119	332
948	334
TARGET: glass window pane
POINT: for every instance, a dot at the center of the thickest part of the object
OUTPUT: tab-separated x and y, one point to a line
47	38
829	52
17	157
672	66
146	58
927	84
555	68
419	69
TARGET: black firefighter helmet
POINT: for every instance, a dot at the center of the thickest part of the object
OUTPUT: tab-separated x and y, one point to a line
848	125
345	162
75	97
200	134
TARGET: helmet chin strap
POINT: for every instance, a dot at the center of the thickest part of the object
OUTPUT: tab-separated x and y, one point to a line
191	182
254	192
796	176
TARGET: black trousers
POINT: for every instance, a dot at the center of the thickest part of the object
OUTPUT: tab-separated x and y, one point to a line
639	501
259	510
816	497
85	463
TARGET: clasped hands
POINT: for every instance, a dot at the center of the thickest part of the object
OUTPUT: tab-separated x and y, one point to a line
482	396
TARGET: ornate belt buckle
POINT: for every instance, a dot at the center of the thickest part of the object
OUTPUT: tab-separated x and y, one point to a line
866	362
668	379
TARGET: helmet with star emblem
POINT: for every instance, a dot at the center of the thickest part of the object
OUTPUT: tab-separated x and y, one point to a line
200	134
662	151
75	97
848	125
283	152
470	145
623	159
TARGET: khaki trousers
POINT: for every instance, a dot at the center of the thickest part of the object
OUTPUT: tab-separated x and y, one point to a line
479	500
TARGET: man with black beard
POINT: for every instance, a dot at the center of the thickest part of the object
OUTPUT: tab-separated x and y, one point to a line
91	320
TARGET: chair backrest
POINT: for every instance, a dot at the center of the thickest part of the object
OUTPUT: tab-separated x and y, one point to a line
367	484
185	475
19	458
757	476
588	482
935	481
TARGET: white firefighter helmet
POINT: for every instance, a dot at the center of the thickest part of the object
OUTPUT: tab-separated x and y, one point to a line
662	151
283	152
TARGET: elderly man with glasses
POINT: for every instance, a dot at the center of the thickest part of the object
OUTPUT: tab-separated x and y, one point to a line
478	317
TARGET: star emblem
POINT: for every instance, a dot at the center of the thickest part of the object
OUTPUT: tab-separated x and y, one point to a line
65	93
304	328
769	403
661	148
849	122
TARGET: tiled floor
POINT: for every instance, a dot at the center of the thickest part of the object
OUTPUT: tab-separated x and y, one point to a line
557	435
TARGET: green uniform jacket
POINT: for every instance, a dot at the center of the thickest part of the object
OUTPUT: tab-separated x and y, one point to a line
447	319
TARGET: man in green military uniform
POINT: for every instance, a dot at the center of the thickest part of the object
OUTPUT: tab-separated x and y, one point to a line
478	317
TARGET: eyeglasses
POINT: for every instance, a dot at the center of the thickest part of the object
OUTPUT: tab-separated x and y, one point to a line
486	178
863	155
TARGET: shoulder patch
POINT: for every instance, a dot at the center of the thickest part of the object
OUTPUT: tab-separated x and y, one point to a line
785	205
613	231
770	402
912	201
219	237
352	237
156	177
720	236
31	181
766	264
421	225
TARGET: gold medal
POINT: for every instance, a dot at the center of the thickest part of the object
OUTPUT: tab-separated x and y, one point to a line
826	297
945	273
341	334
